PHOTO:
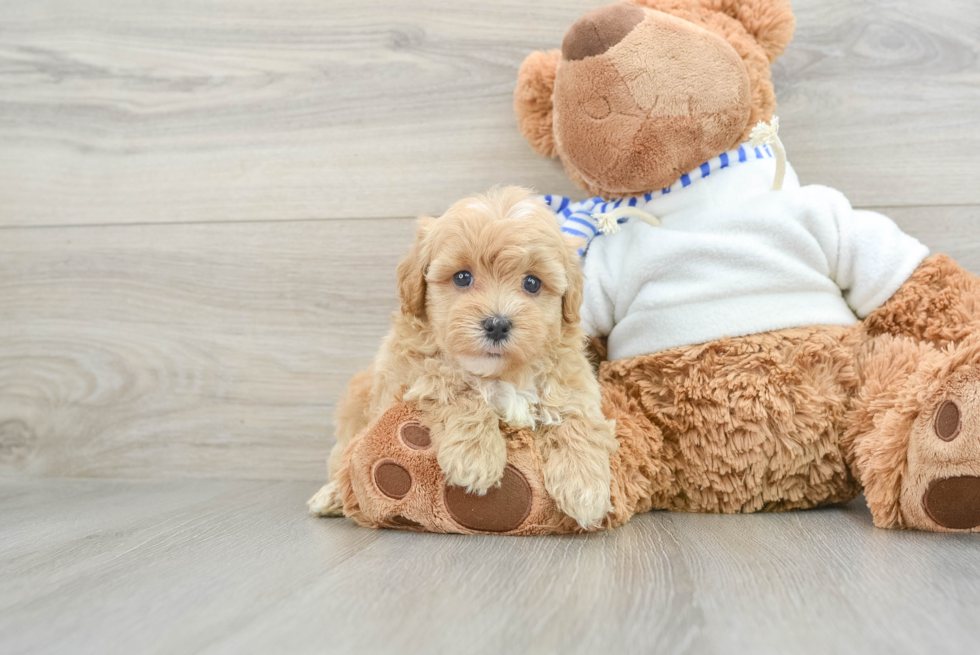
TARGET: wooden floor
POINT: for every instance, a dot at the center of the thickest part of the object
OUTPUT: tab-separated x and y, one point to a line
202	204
97	566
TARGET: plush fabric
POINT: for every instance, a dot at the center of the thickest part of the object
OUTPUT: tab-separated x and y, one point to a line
578	219
532	100
424	503
777	421
940	304
684	84
776	259
773	420
600	29
774	445
637	117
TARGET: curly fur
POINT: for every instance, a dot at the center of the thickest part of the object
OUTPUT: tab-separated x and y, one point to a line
437	356
768	422
749	423
940	304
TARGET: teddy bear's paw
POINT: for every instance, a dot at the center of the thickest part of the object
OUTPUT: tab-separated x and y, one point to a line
941	489
953	501
397	482
327	501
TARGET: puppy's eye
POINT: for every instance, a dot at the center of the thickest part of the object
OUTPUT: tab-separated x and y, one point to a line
463	279
532	284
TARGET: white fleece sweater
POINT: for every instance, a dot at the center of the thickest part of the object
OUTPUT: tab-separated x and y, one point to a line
734	258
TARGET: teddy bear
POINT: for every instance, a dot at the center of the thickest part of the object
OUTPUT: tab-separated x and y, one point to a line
761	345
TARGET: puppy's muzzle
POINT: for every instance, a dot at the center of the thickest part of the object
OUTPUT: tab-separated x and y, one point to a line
497	328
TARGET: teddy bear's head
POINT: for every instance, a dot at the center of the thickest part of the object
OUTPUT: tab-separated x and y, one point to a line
641	93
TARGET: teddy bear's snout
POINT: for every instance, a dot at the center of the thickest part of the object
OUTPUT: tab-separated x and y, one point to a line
599	30
631	109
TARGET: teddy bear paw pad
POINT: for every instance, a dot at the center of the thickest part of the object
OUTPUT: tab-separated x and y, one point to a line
954	503
416	436
392	479
942	486
947	423
502	509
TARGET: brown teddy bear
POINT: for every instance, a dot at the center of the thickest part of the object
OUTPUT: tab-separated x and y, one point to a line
767	349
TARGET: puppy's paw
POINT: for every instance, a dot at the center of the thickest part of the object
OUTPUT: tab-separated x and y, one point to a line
580	487
327	501
475	463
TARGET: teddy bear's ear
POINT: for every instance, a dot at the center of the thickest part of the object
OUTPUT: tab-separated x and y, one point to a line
532	100
771	22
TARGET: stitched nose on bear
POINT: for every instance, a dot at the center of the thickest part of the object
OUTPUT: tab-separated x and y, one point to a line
599	30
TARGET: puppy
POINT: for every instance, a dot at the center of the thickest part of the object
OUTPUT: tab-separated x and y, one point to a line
488	332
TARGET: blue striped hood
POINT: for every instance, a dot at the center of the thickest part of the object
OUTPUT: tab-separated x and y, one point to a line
578	219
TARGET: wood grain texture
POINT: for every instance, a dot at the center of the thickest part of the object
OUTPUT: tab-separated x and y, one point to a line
215	350
168	310
204	350
954	230
121	112
878	98
236	567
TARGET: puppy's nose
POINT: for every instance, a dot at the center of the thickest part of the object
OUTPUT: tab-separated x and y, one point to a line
497	328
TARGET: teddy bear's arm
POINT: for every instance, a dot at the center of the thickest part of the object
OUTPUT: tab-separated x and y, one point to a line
874	257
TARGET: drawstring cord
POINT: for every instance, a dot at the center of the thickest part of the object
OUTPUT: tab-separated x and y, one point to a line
608	222
762	134
768	134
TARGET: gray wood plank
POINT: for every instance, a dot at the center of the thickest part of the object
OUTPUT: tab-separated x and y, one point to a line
152	567
215	350
878	98
204	350
213	111
237	567
954	230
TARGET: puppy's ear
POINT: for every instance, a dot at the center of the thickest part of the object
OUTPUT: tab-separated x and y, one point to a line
571	302
533	103
411	271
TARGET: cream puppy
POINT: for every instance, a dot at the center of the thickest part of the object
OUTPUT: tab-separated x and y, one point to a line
488	332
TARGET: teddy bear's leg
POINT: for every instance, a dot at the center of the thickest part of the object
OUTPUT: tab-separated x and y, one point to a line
939	303
389	477
748	424
913	436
